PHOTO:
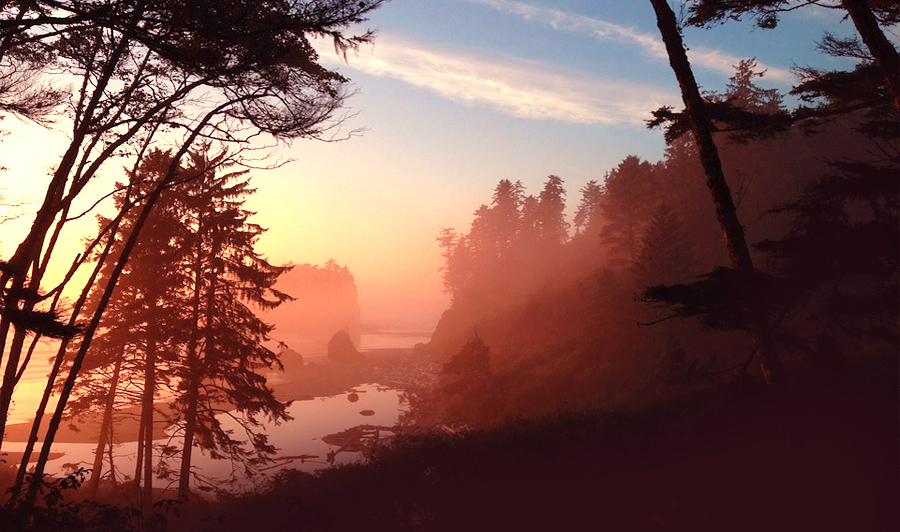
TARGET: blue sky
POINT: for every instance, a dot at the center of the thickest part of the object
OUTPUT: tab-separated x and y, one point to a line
454	96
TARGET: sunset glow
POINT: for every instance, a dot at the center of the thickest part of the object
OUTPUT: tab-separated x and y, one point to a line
449	265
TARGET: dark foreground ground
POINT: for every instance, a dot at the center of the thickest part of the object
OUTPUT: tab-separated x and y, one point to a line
822	457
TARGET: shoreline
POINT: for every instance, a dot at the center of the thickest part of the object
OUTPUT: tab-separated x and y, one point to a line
317	377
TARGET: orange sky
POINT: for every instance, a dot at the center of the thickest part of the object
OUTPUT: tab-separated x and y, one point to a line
374	226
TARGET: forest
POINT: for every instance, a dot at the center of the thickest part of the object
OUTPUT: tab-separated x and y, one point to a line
708	341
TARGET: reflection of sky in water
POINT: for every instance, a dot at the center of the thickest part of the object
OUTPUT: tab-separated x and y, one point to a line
28	392
313	419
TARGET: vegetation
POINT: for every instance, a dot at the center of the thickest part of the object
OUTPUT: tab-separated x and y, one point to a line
695	463
599	369
148	72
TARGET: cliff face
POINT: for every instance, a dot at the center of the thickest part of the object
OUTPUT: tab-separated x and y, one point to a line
325	302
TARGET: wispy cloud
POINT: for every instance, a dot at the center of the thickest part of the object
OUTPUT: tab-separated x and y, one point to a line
601	30
526	89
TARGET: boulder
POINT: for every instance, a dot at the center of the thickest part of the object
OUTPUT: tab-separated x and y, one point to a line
291	360
342	350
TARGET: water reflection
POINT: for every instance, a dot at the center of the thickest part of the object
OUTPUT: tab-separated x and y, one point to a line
301	442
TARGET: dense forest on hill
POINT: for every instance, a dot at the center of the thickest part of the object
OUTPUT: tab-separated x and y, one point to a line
561	305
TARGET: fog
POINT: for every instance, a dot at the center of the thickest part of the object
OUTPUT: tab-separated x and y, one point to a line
206	324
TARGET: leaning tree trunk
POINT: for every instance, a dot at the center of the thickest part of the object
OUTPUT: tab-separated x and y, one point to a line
879	46
60	358
732	231
69	384
29	250
139	455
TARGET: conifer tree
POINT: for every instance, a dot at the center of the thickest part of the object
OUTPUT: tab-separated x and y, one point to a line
666	255
628	193
868	17
530	230
225	351
587	217
183	314
144	67
552	212
457	267
505	214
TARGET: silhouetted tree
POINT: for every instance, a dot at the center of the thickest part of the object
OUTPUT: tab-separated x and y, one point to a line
628	198
505	214
744	110
551	210
744	93
733	232
681	184
530	230
225	351
868	16
140	67
840	255
143	326
843	251
588	215
457	267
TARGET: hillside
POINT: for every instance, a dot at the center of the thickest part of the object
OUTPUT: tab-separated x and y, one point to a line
564	320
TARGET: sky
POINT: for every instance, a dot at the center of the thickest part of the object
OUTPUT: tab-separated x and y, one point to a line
453	96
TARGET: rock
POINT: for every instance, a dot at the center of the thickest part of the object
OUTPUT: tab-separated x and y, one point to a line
290	359
342	350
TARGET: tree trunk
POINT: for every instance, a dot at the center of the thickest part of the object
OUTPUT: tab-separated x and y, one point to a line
732	231
193	356
879	46
105	436
190	426
111	442
9	374
139	454
91	328
61	352
147	421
